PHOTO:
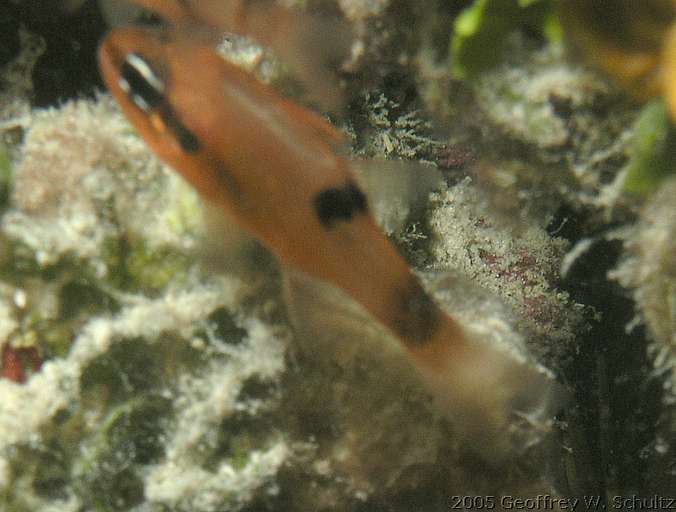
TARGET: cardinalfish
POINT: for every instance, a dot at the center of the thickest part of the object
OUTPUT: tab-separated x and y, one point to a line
273	166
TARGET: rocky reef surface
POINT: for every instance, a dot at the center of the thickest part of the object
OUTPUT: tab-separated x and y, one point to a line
145	369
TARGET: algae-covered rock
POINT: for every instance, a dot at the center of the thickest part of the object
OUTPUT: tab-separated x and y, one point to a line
648	271
110	406
654	150
520	267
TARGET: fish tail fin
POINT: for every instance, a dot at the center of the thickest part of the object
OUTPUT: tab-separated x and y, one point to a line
485	392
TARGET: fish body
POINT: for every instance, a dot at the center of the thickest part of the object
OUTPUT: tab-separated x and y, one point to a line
274	167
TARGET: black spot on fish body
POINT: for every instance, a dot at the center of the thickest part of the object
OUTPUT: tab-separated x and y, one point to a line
339	204
418	315
225	178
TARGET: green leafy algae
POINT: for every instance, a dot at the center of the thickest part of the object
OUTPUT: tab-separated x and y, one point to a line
6	176
654	151
106	475
480	30
136	266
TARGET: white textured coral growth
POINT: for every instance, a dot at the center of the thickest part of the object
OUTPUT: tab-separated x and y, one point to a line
649	269
25	409
82	170
203	402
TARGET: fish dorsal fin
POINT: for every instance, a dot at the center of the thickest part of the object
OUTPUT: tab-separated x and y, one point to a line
312	46
315	123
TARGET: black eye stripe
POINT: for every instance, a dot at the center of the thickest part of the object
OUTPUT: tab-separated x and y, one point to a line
339	204
142	84
146	90
185	137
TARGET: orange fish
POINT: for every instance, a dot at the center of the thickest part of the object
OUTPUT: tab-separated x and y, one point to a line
273	167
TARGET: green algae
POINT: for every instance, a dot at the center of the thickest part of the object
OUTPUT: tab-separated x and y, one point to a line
134	265
131	435
480	31
154	268
238	437
654	150
18	261
6	175
68	283
129	368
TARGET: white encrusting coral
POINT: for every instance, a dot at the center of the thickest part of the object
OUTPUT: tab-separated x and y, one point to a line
81	169
25	408
203	403
189	487
522	98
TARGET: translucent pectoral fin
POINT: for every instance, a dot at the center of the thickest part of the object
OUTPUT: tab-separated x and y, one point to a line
498	404
228	248
322	315
397	189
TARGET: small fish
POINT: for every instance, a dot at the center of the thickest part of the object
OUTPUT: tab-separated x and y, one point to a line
271	165
274	167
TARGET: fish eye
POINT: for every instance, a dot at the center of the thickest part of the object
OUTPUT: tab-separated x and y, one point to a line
145	88
142	84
